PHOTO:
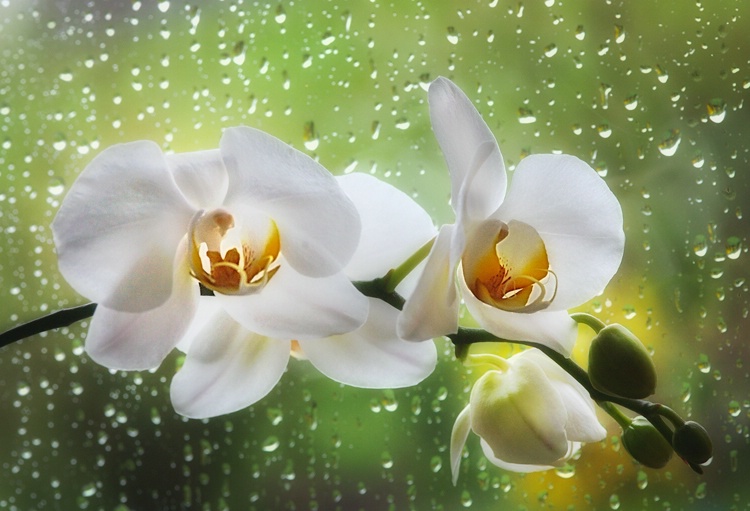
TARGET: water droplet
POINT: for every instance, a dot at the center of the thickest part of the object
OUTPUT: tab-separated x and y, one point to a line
700	247
733	247
580	33
375	406
280	16
629	312
619	34
275	416
238	53
526	116
375	130
416	405
604	130
328	39
66	76
700	491
661	74
310	136
436	464
155	416
704	365
668	146
641	480
550	50
388	401
631	102
734	408
270	444
614	501
163	6
23	388
56	186
386	460
566	471
452	35
402	124
717	110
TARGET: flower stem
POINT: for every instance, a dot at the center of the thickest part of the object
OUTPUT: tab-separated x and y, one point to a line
623	420
384	287
58	319
394	276
593	322
641	406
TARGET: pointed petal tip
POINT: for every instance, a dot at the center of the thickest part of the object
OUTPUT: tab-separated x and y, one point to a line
459	435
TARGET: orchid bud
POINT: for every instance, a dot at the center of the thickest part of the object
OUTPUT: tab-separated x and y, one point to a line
620	365
645	444
692	443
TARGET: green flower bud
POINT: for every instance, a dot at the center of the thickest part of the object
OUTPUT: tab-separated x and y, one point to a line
620	365
645	444
692	443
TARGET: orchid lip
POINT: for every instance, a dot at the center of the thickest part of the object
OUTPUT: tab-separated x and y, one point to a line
229	260
506	266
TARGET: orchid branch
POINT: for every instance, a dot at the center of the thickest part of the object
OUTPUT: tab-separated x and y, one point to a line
58	319
384	289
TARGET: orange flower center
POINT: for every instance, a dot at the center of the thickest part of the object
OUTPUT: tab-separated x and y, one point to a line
230	261
505	265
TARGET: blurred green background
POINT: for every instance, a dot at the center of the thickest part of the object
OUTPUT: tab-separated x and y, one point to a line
652	94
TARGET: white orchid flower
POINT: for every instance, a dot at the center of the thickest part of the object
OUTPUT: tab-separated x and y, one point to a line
523	258
529	413
265	228
228	367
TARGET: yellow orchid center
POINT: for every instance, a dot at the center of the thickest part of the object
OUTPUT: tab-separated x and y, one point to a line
229	260
506	266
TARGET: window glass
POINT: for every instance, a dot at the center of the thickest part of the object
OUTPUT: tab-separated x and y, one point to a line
652	95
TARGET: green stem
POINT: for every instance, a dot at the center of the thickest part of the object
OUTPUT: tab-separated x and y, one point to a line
377	289
57	319
393	278
623	420
384	287
585	318
472	335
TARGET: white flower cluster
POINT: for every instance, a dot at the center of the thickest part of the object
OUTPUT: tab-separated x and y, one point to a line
277	241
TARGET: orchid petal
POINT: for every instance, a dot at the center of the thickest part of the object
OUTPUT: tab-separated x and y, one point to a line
478	179
459	434
582	424
551	328
578	218
207	308
519	414
319	225
513	467
118	228
201	177
139	341
393	226
227	368
293	306
432	309
373	356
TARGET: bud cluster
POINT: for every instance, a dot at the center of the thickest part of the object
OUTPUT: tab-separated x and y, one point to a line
621	369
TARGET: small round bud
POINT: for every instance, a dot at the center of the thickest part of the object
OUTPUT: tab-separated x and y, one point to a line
645	444
620	365
692	443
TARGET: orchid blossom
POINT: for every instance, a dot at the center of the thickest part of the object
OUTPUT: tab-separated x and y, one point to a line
228	367
529	413
520	258
264	227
